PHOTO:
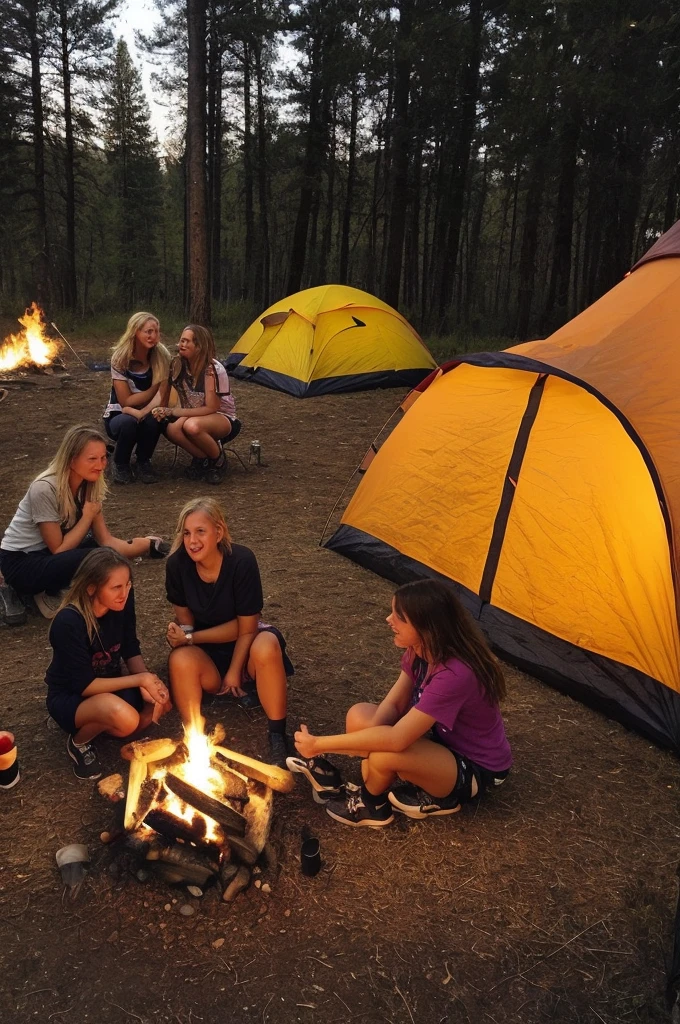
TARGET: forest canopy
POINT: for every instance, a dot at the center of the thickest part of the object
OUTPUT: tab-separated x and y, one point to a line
483	165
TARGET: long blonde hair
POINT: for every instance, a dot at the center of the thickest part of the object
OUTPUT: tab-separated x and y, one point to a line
159	357
93	571
213	510
72	444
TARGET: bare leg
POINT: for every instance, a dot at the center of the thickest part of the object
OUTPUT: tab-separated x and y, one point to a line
426	764
175	434
105	712
202	431
192	673
265	666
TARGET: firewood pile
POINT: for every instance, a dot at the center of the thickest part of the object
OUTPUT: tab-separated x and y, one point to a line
195	824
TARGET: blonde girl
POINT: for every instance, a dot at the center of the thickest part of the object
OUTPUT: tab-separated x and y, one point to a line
139	366
97	680
219	644
202	386
60	519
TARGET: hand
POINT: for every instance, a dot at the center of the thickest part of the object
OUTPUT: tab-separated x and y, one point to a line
160	412
232	684
176	636
153	689
91	510
305	743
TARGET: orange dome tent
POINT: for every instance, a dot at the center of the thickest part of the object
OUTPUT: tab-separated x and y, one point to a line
544	481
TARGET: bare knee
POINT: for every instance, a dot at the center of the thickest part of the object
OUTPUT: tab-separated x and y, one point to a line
360	716
192	426
265	650
182	663
121	718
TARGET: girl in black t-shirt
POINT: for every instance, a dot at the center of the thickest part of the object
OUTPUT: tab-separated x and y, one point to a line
97	680
219	644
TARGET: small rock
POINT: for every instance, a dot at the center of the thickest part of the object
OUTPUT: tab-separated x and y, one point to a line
113	937
266	887
168	906
194	890
217	944
286	913
258	883
257	871
186	910
163	924
141	875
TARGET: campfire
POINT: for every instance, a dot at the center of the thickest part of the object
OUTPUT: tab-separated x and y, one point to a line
30	347
195	811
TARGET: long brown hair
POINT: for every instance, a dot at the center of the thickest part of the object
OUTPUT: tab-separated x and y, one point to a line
93	571
447	630
180	368
213	510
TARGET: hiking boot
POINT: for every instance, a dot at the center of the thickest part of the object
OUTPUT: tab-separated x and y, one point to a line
145	472
278	749
324	777
196	469
215	470
121	474
416	803
48	604
353	811
159	548
86	763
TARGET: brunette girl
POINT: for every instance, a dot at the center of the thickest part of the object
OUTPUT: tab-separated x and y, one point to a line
219	644
97	680
439	729
206	413
60	519
139	365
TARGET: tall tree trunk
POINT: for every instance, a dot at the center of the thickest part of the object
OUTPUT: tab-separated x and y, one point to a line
327	233
199	282
42	276
215	158
248	175
401	140
70	279
527	259
560	272
351	178
264	250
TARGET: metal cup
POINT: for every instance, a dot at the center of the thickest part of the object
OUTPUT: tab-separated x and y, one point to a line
310	857
255	452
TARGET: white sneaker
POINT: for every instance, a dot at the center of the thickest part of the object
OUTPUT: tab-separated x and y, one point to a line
49	604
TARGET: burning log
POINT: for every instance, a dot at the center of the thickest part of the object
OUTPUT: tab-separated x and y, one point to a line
243	850
231	821
175	829
270	774
138	774
149	750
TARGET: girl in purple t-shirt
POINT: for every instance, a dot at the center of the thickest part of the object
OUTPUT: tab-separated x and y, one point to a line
439	729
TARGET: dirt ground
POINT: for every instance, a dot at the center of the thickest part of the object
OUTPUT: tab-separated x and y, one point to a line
553	900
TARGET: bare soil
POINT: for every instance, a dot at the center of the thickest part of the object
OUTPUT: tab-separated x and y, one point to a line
553	900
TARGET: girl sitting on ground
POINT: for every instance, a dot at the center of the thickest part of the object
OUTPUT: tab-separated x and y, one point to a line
219	644
206	413
139	366
97	680
60	519
439	729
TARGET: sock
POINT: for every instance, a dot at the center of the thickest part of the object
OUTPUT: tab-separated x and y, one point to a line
372	801
277	725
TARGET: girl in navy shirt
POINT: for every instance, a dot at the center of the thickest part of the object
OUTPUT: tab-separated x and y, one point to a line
97	680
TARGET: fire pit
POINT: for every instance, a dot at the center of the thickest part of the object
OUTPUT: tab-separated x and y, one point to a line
195	811
30	348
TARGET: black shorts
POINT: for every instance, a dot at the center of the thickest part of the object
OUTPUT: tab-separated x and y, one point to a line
221	654
63	706
467	770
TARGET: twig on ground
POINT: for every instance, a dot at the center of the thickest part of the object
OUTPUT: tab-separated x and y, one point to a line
403	997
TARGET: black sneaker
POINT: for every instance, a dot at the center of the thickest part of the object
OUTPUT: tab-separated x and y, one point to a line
353	811
86	764
145	473
159	548
121	474
416	803
215	470
278	749
324	796
196	468
324	777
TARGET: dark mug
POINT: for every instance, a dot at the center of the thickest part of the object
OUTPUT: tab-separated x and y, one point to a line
310	857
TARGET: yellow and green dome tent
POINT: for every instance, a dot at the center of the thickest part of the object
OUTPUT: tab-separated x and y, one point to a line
544	482
327	340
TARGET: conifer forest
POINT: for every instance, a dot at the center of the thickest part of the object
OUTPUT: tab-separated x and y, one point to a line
485	166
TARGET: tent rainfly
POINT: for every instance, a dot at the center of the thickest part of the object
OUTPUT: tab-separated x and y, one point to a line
544	481
327	340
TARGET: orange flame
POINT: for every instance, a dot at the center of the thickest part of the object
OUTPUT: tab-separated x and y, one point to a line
196	770
29	346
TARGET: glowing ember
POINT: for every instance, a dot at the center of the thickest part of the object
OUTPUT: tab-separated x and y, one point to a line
29	346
